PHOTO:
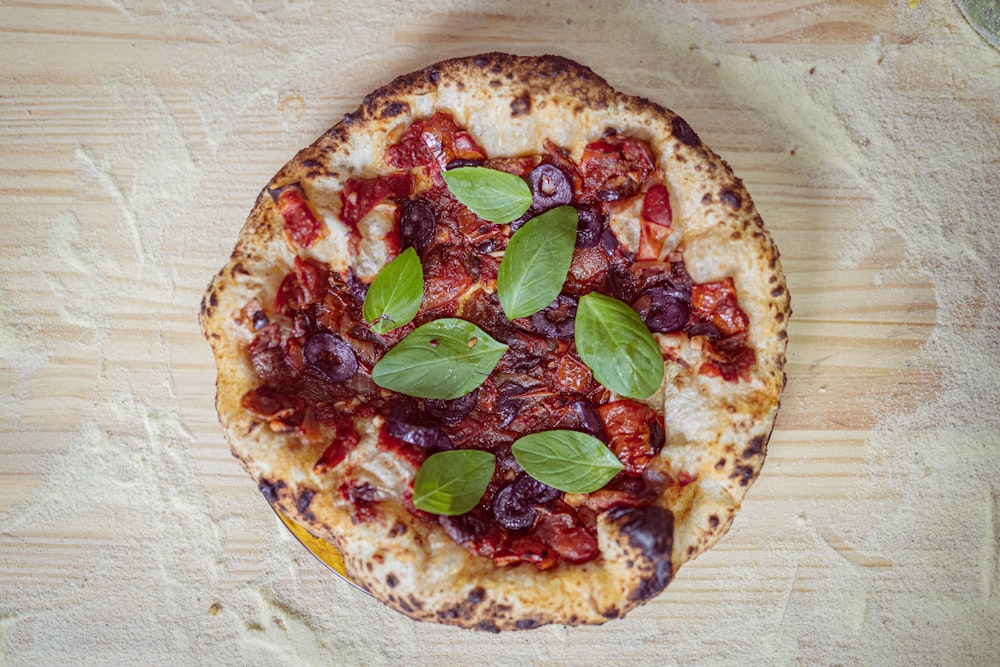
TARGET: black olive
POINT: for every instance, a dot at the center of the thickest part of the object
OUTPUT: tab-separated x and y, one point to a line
466	527
609	242
416	225
509	513
589	227
590	420
405	422
556	319
661	310
527	491
331	356
549	188
452	410
458	162
621	284
705	329
509	402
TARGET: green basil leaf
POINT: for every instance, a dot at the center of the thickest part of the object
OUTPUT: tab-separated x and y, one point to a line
570	461
453	482
444	358
614	343
492	195
393	298
536	262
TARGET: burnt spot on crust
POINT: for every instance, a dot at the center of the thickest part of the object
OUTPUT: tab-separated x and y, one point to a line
476	595
393	109
713	521
528	623
776	292
744	474
487	626
433	75
732	199
521	104
398	529
649	531
391	580
721	463
755	447
683	132
706	199
271	490
303	502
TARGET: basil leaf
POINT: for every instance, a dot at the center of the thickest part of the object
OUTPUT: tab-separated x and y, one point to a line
570	461
453	482
536	262
614	343
492	195
444	359
393	298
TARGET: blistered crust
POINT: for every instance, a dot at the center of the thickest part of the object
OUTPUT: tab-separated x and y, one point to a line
717	431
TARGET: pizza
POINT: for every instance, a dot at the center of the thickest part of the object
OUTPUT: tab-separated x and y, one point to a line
511	341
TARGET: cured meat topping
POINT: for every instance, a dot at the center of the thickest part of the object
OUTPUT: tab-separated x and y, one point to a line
313	352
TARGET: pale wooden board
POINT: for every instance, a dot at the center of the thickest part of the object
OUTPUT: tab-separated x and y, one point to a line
134	139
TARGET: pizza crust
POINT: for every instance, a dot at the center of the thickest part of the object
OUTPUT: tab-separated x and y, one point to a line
717	431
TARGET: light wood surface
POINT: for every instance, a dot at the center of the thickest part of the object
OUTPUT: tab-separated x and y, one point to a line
134	137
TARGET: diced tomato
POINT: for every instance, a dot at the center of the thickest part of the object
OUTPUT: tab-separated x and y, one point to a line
572	375
729	364
527	549
559	528
718	303
655	224
345	440
634	432
410	453
434	142
614	167
300	287
300	223
361	195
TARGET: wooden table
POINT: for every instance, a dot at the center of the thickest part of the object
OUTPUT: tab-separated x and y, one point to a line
134	138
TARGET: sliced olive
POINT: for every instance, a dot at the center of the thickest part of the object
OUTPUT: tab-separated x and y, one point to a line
452	410
589	227
331	356
549	187
406	422
416	225
661	310
556	319
509	513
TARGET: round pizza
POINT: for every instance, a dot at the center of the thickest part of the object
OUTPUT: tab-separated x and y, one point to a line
511	341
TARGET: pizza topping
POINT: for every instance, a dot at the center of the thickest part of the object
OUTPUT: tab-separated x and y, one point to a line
361	195
570	461
301	224
556	319
393	298
614	167
494	397
717	302
536	262
616	345
453	482
443	359
491	194
453	410
656	218
634	433
663	310
406	423
549	187
591	224
435	143
330	356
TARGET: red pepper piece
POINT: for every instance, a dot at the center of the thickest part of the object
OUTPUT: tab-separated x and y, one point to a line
302	226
